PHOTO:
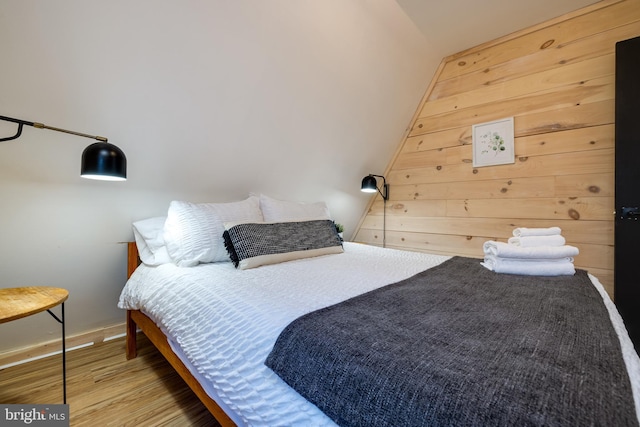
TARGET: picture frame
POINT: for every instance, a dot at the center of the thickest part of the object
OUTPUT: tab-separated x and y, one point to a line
493	143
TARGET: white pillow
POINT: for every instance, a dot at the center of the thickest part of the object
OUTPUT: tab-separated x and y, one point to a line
282	211
148	234
193	231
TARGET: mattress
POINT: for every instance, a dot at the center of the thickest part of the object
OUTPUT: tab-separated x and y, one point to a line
223	322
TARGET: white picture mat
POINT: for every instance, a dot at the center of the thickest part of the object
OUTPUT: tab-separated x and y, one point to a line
493	143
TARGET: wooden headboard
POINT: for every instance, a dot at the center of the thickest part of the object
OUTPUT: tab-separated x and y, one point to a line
133	259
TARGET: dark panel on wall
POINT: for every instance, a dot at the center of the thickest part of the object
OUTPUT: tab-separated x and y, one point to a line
627	187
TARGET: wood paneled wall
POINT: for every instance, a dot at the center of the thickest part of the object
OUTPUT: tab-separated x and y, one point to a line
557	81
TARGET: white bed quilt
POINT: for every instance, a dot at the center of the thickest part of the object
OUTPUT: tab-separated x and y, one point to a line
226	321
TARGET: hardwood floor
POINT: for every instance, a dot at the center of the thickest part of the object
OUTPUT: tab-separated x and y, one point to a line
103	388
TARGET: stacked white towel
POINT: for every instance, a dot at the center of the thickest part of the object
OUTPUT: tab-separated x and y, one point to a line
537	241
524	232
531	251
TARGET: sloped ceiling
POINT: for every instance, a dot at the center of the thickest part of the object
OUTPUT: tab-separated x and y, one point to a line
455	25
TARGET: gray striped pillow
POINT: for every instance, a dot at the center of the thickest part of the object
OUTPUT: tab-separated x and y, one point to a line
254	244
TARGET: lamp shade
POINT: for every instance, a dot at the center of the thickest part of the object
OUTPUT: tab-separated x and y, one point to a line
104	161
369	184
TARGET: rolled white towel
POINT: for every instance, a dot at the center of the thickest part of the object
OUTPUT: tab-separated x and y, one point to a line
506	250
529	267
531	241
524	231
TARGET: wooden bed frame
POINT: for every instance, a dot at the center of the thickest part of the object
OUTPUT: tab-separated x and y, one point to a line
138	320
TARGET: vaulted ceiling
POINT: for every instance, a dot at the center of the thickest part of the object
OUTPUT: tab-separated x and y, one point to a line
455	25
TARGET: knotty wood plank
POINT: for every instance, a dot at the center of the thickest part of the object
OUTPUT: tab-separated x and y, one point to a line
578	163
413	208
586	208
550	104
568	52
576	28
601	184
595	256
470	246
571	140
494	189
437	140
576	232
552	79
579	116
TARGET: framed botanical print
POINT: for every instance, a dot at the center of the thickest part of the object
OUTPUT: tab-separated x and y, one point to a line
493	143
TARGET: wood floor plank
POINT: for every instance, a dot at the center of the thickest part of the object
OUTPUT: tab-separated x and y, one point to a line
103	388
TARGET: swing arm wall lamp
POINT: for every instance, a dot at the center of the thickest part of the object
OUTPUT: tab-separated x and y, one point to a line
100	160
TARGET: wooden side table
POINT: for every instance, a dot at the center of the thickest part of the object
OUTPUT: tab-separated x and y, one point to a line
16	303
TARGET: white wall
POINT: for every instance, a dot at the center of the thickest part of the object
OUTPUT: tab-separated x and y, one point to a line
209	99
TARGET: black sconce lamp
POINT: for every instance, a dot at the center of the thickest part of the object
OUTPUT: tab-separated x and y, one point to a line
100	160
370	185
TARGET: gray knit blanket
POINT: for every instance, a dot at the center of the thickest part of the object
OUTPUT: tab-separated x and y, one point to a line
459	345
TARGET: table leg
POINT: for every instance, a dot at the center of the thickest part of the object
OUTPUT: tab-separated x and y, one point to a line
64	354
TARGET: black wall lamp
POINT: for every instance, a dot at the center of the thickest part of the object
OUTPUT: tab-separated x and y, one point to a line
370	185
100	160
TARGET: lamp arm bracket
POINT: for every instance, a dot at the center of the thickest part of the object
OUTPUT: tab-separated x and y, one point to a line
20	124
385	187
16	136
385	195
43	126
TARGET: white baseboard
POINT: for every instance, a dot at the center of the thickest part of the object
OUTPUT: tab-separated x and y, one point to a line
49	348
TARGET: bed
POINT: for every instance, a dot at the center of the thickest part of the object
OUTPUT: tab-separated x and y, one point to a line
218	324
